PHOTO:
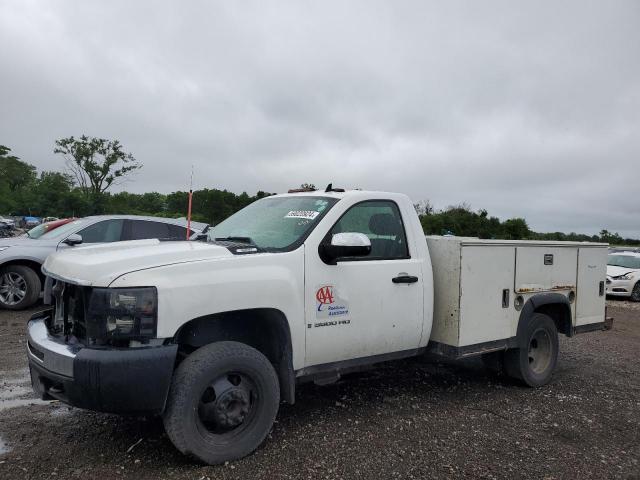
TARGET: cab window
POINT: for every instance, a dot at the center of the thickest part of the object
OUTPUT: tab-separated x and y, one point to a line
380	220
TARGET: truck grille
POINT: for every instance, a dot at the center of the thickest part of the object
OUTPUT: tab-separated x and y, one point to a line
69	313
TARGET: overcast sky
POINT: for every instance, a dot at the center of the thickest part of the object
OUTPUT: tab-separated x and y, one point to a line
522	108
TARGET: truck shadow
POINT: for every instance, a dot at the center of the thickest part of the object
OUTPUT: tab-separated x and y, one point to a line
426	378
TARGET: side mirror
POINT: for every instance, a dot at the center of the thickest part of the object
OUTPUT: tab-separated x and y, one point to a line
73	239
346	244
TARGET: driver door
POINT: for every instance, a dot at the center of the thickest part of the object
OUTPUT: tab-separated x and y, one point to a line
355	308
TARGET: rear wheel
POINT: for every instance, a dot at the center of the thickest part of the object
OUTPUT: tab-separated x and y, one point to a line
19	287
635	293
535	362
222	402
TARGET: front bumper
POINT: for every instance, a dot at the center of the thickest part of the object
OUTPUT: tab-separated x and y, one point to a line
126	381
620	288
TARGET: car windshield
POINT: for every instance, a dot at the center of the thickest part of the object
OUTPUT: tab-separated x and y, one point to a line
37	232
625	261
40	230
273	223
63	230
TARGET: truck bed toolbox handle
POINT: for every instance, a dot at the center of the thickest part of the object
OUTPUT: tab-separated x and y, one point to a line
404	279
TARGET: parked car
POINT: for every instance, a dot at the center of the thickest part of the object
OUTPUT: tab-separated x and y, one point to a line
623	275
6	230
294	288
8	221
7	227
37	232
30	222
21	280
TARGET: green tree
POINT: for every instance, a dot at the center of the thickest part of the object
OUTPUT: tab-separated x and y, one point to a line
516	229
14	173
612	238
51	194
96	163
16	178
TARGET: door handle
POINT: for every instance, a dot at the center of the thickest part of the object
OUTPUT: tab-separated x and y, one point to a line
404	279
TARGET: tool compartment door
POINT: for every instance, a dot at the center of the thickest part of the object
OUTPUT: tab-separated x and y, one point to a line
486	296
590	298
540	269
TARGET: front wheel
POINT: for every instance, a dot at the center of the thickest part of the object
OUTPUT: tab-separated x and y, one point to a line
222	402
635	293
535	362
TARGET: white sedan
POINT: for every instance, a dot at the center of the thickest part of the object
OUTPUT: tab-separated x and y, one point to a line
623	275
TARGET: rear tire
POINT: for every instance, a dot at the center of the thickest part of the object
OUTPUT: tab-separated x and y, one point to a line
19	287
635	293
534	363
222	402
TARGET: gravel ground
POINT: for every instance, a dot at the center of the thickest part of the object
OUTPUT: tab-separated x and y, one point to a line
408	419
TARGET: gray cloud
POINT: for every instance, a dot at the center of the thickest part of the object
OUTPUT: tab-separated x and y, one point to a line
523	109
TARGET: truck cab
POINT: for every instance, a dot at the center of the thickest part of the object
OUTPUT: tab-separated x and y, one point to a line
303	286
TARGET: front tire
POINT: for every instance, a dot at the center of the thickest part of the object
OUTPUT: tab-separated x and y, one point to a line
222	402
19	287
535	362
635	293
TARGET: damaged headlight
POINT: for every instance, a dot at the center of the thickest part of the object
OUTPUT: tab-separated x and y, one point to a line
626	276
122	313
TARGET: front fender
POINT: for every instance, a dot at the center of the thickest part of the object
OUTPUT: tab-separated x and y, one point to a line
243	282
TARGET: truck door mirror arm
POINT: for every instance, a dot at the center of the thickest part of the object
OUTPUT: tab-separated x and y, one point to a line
345	244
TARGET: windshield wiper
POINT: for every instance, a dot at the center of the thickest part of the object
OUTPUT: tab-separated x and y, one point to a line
246	240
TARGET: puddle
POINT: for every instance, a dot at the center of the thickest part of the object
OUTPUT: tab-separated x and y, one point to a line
21	402
4	448
13	392
16	391
14	376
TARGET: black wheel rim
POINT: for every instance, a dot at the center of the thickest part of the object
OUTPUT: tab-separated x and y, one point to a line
227	405
540	352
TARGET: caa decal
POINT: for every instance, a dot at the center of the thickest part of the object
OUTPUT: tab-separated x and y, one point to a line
329	304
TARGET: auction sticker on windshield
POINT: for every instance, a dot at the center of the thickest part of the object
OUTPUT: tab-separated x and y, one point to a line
307	214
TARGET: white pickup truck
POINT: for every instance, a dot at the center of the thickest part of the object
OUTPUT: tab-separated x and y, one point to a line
297	287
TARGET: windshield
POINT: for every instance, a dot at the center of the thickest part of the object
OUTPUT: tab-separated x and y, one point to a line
37	232
63	230
274	223
625	261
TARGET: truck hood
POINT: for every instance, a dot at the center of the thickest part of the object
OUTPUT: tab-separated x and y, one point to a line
101	264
